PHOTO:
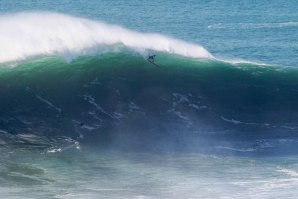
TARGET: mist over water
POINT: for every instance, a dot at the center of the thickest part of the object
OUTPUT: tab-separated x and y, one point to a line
83	114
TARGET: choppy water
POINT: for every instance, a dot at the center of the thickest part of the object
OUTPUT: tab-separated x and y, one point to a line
83	114
90	174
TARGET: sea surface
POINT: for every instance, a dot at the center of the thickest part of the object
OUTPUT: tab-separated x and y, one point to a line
83	114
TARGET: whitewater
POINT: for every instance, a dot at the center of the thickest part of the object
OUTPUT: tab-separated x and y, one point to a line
28	35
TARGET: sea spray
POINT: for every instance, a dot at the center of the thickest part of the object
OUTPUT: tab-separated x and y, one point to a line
31	34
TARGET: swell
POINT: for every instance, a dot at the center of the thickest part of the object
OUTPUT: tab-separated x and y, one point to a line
123	100
34	34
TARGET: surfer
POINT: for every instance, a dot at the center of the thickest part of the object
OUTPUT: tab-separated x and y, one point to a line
151	58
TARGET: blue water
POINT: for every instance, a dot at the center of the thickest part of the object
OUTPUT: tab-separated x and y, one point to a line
84	115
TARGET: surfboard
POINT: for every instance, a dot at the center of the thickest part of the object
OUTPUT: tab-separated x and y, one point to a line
153	63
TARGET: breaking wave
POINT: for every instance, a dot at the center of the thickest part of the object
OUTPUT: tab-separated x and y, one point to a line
31	34
109	95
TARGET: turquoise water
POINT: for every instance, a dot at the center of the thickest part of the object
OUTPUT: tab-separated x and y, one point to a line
83	114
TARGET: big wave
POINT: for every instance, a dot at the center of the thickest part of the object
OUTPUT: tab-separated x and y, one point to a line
119	99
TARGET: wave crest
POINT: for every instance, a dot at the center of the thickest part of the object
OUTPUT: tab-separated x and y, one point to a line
30	34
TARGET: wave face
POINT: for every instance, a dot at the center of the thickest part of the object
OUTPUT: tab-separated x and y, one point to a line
108	94
27	35
120	99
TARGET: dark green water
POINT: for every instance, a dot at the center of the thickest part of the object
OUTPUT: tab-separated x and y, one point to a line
121	100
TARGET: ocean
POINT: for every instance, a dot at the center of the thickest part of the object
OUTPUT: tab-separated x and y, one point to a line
84	114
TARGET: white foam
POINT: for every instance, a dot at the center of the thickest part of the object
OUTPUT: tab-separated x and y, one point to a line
49	103
198	107
289	172
30	34
231	120
54	150
237	61
237	149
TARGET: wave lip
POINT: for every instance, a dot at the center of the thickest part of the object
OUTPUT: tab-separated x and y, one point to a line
30	34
